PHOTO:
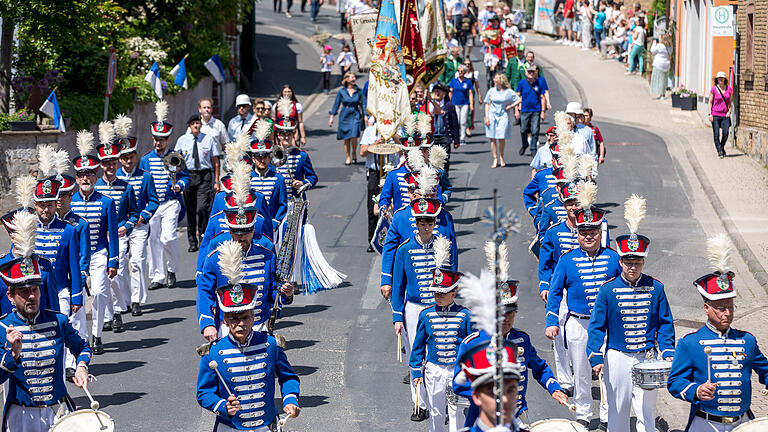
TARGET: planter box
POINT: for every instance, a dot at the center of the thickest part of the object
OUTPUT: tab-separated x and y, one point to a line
676	101
23	125
688	104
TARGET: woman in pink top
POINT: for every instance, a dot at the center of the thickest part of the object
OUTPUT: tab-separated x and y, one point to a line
720	111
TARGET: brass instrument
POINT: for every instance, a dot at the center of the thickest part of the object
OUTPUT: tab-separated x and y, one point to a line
174	164
279	156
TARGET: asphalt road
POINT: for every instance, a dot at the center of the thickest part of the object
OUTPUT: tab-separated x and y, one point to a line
341	342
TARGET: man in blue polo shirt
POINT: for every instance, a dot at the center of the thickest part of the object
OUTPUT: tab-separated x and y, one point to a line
461	98
532	109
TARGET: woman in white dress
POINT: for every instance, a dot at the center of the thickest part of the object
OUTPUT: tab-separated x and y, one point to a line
498	101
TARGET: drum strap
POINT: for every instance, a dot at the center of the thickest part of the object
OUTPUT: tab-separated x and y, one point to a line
750	415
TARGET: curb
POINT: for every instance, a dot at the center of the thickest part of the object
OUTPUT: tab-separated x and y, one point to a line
753	264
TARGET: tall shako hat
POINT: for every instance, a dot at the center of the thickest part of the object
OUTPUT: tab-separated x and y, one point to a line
60	160
86	161
633	244
241	211
284	117
567	191
261	138
444	280
160	127
426	208
123	125
411	139
718	284
24	270
588	216
25	197
424	129
47	188
109	147
234	296
235	152
509	286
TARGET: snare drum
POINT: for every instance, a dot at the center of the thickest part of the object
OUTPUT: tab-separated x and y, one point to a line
453	398
85	420
756	425
557	425
651	375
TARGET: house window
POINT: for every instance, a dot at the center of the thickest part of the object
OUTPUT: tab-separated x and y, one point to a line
749	36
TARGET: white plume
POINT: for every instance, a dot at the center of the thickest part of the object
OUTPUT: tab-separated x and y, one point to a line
437	156
719	251
478	294
427	180
410	124
564	139
161	111
61	161
424	124
284	106
106	133
634	212
586	194
25	191
122	124
236	149
503	261
569	162
262	130
587	166
24	233
490	255
46	160
442	247
84	142
561	122
415	159
241	181
231	261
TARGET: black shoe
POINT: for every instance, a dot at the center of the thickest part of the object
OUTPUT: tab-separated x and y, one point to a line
522	149
117	324
193	248
136	309
96	346
69	373
407	378
171	280
603	426
127	310
370	249
107	326
155	286
420	415
583	423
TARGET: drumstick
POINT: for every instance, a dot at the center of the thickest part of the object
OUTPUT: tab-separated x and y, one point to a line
399	348
571	407
94	404
708	351
215	366
602	392
418	396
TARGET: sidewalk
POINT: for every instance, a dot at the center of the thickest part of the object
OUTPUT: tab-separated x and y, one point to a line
725	194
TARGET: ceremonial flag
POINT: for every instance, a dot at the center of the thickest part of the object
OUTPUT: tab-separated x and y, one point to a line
51	108
363	31
214	66
387	89
433	40
153	78
179	73
413	54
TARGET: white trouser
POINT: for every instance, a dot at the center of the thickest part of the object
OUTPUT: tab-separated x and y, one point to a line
702	425
224	428
138	247
461	113
163	240
623	394
29	419
119	284
412	311
100	287
562	363
64	308
436	379
576	339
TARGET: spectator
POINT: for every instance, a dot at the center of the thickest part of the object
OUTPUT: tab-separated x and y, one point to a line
457	12
444	120
212	126
557	19
350	100
314	9
498	101
326	66
599	25
466	31
485	15
720	101
243	118
342	10
599	142
587	14
515	70
462	100
472	75
346	60
615	42
568	15
532	108
451	63
261	110
638	45
297	112
660	69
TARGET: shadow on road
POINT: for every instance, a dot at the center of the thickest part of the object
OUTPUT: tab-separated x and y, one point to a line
114	399
290	311
149	324
305	370
299	344
131	345
165	306
100	369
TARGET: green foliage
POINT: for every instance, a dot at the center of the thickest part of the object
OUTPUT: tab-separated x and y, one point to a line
4	119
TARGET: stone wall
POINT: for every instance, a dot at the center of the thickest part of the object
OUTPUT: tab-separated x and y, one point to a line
18	153
753	141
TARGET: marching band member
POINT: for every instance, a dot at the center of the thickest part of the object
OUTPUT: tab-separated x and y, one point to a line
236	379
439	331
124	198
415	132
297	170
713	366
32	350
630	318
146	205
265	178
579	274
99	211
164	253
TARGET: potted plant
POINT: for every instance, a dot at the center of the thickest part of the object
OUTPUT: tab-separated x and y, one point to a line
22	120
684	98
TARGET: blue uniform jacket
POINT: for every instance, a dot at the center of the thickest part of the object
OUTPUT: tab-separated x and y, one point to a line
630	318
38	377
439	332
395	189
558	239
153	164
58	242
100	213
551	211
144	190
297	167
48	289
249	370
539	183
412	276
218	225
403	225
83	244
272	186
735	355
582	276
123	195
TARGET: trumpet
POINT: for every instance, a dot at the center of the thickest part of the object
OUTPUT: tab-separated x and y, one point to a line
279	156
174	164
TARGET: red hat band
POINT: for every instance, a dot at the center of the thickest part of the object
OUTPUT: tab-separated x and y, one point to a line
632	245
22	271
67	182
109	151
236	298
410	180
47	190
478	364
411	142
589	218
425	207
128	144
86	163
567	191
261	146
240	220
716	286
444	280
7	219
232	203
559	174
161	129
285	123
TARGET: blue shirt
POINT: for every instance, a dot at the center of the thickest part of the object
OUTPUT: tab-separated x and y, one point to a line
101	215
153	164
461	89
144	190
297	167
630	318
540	182
38	378
439	332
59	242
237	124
599	20
83	243
249	371
531	94
124	197
543	158
559	239
272	186
206	150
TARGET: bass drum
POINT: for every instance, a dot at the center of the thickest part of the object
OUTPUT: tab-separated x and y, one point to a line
756	425
85	420
556	425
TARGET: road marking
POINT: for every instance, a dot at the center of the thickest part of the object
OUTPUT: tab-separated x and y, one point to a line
372	295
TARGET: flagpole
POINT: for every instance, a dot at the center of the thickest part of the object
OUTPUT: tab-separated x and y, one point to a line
111	72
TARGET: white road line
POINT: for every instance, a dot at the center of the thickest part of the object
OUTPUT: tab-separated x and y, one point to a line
372	295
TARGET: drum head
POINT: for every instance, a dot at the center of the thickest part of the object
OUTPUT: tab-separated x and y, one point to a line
758	424
85	420
557	425
653	365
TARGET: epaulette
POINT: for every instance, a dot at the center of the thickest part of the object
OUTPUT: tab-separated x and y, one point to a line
470	337
406	208
610	280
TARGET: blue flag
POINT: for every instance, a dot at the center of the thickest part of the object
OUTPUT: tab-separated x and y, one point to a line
51	108
214	66
153	78
179	73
